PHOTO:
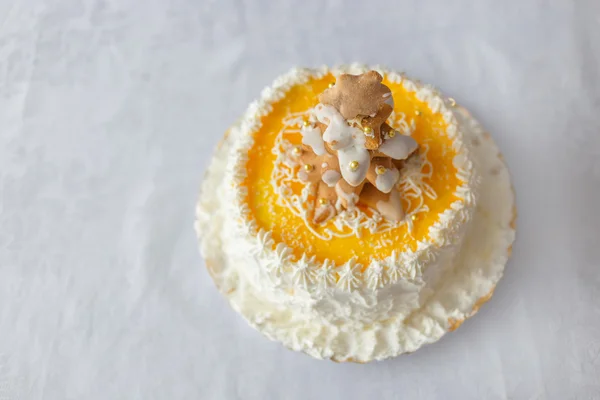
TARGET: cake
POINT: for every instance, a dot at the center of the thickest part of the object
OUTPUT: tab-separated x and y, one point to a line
356	214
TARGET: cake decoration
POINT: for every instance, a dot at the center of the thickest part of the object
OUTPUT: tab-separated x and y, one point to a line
351	137
354	95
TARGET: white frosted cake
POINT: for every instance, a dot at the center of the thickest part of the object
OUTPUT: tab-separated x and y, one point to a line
356	214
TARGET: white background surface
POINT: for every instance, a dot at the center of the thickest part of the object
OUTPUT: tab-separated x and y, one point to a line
109	111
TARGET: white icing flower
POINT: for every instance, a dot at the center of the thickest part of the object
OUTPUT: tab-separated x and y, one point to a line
421	245
242	191
392	266
402	266
409	264
279	258
324	275
239	174
302	274
248	227
348	275
264	243
375	275
244	210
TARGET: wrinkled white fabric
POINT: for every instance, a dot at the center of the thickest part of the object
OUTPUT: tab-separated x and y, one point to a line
109	111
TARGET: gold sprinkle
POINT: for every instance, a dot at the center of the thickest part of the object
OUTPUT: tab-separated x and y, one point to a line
452	101
368	130
323	201
306	123
413	217
380	170
332	84
392	134
297	151
418	112
308	167
353	165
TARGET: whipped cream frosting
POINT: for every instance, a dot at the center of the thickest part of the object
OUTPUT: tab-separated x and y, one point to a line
347	312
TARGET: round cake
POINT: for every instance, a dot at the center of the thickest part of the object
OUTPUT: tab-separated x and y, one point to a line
355	214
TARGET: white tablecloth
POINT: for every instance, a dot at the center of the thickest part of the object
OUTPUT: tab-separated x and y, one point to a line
109	111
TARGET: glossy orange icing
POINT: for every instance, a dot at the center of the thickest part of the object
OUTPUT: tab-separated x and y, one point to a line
290	229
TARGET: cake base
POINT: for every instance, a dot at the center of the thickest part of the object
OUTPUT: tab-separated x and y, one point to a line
478	268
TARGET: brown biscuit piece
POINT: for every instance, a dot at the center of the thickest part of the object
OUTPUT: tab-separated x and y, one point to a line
313	166
347	194
385	130
386	204
323	213
398	164
310	166
377	162
384	133
325	203
375	124
329	161
326	193
354	95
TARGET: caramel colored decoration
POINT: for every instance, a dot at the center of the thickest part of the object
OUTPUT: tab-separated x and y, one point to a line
375	124
355	95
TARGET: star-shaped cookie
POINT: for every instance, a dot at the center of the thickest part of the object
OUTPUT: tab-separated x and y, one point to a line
354	95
